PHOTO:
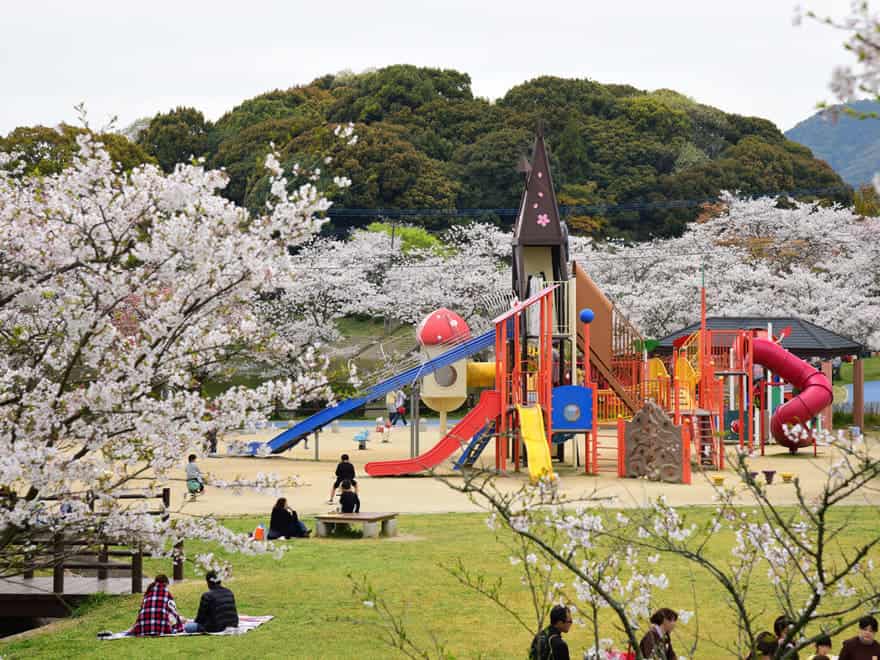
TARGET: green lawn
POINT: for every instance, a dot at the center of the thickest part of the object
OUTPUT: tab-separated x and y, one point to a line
317	617
872	370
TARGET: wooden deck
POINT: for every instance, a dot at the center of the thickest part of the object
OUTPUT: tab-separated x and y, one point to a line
33	597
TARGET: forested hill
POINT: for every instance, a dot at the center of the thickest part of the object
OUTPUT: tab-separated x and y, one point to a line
630	163
850	144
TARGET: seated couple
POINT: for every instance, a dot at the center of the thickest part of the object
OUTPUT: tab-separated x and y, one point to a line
158	614
284	522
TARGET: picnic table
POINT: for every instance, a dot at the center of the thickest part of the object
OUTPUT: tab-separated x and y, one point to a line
371	521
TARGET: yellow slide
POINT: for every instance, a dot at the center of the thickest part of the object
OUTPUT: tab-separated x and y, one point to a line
531	427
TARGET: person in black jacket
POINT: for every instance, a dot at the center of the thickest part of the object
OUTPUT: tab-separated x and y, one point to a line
548	644
349	502
285	522
217	610
344	470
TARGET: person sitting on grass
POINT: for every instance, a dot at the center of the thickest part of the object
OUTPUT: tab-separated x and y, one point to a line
548	644
217	610
349	502
863	645
158	614
285	523
344	471
195	482
657	643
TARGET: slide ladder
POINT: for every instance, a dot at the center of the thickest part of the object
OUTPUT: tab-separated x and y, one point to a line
475	447
292	436
706	444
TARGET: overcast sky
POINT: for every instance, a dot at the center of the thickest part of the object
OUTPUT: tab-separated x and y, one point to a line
135	60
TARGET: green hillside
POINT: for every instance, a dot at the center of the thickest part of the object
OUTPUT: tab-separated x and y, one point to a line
628	162
850	144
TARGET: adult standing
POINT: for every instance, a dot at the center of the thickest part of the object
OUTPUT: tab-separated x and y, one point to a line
400	405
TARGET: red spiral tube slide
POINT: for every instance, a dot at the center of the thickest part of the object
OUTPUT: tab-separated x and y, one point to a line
815	390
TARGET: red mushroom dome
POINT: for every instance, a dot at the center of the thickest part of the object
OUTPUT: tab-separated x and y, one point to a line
441	327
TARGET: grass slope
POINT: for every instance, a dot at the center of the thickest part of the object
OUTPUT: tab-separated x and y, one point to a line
317	617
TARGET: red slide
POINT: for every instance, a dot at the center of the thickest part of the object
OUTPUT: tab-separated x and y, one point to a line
816	392
488	408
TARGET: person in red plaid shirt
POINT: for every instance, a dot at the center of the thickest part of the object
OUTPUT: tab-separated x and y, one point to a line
158	614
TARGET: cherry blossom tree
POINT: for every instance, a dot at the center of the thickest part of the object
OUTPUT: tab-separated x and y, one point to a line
755	259
117	290
607	562
472	268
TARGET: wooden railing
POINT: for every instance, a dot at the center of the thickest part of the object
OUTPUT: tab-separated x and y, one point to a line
60	552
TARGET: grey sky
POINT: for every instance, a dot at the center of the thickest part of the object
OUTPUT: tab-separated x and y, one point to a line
133	60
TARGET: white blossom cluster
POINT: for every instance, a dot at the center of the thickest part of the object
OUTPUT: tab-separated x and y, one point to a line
813	262
119	293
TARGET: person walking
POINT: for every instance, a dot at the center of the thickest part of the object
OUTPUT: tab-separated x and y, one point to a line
863	646
657	642
548	644
400	407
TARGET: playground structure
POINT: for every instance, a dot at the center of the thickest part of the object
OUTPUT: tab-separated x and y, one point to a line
554	378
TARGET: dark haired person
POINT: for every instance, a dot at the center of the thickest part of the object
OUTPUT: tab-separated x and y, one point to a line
548	644
285	522
158	613
349	502
195	482
344	470
766	646
863	646
657	642
217	610
823	650
780	628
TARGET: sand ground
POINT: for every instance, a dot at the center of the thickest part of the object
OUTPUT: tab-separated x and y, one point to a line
423	494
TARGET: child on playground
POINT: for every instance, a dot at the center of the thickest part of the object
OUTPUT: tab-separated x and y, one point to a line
344	471
349	502
195	482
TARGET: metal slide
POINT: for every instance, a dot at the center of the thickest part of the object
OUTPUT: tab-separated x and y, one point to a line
290	437
488	409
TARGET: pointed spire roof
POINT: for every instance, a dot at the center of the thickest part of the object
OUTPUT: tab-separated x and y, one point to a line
538	219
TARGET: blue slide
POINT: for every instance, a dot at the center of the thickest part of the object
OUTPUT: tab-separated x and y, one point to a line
290	437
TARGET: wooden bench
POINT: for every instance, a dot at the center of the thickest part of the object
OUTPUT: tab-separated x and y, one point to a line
326	521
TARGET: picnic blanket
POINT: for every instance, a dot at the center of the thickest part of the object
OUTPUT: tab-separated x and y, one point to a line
245	624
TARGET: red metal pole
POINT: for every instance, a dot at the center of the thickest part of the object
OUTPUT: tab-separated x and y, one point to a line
621	446
762	403
751	384
685	460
